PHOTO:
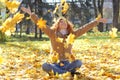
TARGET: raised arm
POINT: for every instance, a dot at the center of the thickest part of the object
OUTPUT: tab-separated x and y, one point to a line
35	19
88	26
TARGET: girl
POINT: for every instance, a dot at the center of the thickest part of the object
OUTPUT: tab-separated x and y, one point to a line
61	29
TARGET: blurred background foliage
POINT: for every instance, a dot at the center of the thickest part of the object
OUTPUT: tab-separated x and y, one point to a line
80	12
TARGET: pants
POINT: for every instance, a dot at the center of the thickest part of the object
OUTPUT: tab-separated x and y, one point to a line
67	67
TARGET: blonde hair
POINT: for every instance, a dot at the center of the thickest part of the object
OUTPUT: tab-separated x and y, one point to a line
69	25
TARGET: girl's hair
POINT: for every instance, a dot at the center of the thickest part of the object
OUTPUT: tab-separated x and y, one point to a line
69	25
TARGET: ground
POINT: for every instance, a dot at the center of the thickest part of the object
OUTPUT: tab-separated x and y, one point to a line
22	60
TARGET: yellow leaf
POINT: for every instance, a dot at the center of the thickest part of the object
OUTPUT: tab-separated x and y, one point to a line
101	72
59	39
9	24
54	57
18	17
41	23
62	1
99	16
70	39
65	45
12	6
61	64
1	60
65	8
28	18
65	75
8	33
75	77
67	55
56	8
3	1
72	58
113	33
51	73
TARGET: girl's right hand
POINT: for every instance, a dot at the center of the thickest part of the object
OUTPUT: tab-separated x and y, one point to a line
27	10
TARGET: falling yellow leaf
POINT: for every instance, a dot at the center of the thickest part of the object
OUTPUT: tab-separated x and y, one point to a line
18	17
59	39
113	33
9	24
56	8
70	38
62	1
12	6
28	18
41	23
3	1
8	33
65	8
99	16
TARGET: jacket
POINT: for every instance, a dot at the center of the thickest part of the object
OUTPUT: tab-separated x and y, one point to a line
59	47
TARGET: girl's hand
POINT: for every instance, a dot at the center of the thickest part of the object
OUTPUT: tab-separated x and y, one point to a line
103	20
100	19
27	10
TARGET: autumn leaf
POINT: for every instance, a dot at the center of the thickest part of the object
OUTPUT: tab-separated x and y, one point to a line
12	6
3	1
113	33
8	33
18	17
98	17
70	57
9	23
23	60
41	23
1	60
70	39
65	8
61	64
54	57
56	8
75	77
59	39
27	18
62	1
66	75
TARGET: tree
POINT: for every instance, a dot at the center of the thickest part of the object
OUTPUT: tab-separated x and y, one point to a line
98	8
115	13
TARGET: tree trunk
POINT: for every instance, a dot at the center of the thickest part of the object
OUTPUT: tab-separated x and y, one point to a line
95	8
116	13
20	29
35	13
99	10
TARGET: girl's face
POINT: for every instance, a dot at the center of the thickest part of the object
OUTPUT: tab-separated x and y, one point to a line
62	24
